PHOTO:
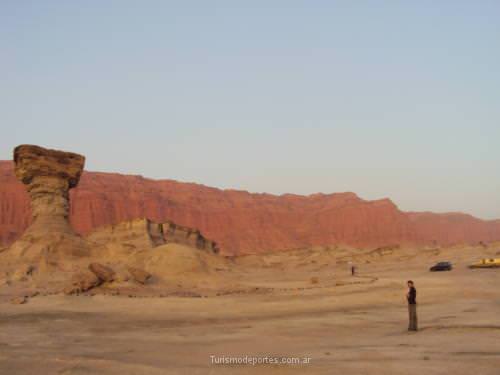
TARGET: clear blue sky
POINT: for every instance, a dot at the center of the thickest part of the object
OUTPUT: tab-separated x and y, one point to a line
396	99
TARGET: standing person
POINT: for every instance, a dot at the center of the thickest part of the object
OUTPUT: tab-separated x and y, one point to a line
411	296
353	270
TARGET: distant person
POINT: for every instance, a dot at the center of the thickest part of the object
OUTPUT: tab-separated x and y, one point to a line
353	270
412	306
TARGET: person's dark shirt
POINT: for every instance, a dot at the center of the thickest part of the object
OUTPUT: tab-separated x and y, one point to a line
412	296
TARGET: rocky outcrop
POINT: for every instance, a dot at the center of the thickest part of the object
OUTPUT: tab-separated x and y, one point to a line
103	273
82	282
174	233
48	176
241	222
134	235
139	275
145	234
21	300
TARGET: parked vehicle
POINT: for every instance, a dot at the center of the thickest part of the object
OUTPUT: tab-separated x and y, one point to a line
441	266
486	263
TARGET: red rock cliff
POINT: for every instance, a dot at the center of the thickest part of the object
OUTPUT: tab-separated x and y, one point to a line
241	222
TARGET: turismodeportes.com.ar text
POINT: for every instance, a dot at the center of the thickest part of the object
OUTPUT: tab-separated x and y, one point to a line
253	361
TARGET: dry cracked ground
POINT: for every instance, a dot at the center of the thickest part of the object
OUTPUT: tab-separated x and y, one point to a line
335	324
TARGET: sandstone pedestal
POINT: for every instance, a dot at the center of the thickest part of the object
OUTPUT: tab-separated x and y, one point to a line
48	176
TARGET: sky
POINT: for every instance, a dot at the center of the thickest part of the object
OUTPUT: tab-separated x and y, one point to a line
397	99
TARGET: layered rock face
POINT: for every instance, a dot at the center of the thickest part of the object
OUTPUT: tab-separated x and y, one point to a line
241	222
453	228
173	233
131	234
146	234
48	176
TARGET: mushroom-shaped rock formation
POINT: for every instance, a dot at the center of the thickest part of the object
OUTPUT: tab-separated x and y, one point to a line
48	176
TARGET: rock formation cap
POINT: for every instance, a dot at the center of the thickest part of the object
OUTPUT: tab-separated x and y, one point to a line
34	161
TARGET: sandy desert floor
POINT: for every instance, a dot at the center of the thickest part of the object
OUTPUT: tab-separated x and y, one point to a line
337	325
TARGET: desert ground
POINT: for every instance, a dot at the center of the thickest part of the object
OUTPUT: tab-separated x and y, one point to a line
299	305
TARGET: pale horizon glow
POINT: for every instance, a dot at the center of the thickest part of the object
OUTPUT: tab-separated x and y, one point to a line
395	100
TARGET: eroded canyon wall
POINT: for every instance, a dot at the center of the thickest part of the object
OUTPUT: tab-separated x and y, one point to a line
240	222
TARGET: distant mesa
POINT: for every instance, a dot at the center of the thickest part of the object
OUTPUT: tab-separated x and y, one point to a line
238	221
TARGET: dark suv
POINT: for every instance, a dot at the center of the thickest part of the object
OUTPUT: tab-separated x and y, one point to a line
441	266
